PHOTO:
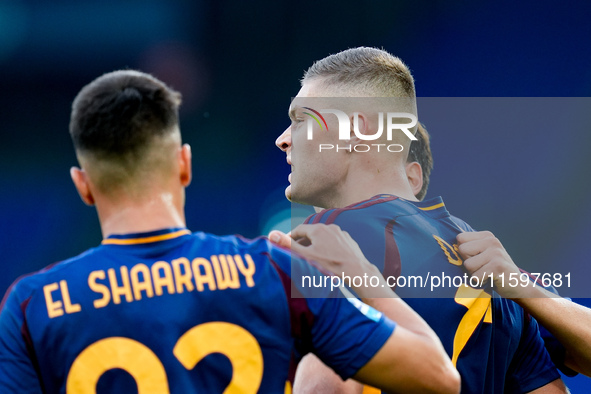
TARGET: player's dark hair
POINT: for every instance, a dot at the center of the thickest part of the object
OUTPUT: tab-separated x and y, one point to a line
121	112
365	67
420	151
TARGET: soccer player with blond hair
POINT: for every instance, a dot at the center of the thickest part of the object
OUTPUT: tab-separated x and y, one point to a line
370	194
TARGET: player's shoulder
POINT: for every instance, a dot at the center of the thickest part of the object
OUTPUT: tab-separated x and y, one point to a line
461	224
26	285
286	263
236	243
435	210
377	206
175	240
260	249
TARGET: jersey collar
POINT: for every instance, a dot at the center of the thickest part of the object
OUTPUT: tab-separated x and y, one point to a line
434	207
145	238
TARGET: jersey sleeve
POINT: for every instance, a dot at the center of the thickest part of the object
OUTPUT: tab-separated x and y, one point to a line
531	367
347	333
343	332
461	224
556	350
17	372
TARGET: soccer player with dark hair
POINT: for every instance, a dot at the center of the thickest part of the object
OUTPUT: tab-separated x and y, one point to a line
371	195
156	309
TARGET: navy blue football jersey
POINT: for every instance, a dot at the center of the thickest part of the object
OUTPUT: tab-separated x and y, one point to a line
555	348
496	347
172	311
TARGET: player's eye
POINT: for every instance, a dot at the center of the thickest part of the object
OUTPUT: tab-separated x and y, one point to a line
296	121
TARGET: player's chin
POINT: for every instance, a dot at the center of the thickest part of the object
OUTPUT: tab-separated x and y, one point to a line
288	192
294	197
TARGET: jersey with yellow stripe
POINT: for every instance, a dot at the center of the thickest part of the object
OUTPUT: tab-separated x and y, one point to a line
493	343
171	311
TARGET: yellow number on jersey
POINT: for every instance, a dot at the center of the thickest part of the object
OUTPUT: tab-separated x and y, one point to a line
127	354
479	307
233	341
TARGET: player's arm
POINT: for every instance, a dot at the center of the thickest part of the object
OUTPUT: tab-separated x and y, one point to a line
409	363
412	359
569	322
17	373
555	387
313	376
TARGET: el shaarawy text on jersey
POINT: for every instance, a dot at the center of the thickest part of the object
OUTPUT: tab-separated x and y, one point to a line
495	346
179	312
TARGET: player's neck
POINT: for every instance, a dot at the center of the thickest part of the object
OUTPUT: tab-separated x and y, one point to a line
127	216
365	186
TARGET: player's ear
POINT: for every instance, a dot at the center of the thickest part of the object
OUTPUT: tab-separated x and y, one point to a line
186	172
414	174
80	180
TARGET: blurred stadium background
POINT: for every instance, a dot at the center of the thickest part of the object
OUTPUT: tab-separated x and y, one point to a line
238	64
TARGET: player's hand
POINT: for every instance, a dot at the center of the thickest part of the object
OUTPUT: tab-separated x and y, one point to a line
484	256
280	238
329	246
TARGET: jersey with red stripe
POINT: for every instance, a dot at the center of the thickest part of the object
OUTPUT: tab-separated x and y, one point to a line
171	311
493	343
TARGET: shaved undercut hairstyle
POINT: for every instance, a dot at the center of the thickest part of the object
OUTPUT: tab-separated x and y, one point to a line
370	70
118	121
420	151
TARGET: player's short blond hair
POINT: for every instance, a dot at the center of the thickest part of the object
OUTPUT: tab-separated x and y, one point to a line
370	71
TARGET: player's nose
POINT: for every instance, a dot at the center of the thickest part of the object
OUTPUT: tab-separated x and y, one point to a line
283	142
